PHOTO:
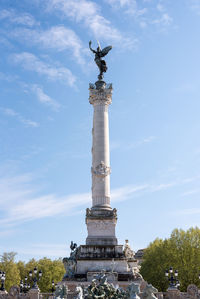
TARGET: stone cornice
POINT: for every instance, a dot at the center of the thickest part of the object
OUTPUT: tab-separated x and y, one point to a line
101	214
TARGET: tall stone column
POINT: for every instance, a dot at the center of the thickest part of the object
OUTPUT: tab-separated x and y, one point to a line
101	218
100	99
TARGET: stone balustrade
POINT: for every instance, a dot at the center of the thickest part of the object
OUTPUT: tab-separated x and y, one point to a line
14	293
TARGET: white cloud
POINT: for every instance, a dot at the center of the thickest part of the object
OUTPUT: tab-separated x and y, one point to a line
191	211
59	38
6	233
45	249
191	192
19	117
131	145
127	192
160	7
39	250
44	98
140	142
195	6
7	77
32	63
164	20
130	6
143	24
143	13
18	18
23	204
89	14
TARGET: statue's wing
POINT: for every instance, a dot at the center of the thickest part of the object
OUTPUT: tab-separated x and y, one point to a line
71	246
105	51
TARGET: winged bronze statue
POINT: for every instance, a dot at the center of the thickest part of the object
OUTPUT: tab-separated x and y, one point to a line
99	53
73	246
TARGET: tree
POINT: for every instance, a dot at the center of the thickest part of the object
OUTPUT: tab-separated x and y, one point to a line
22	269
181	251
8	265
51	271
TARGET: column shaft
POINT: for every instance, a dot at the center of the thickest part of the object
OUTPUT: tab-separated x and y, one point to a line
100	99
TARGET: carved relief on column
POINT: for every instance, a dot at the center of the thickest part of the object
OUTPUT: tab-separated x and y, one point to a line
101	170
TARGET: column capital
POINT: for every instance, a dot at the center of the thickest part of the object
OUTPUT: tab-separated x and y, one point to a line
100	96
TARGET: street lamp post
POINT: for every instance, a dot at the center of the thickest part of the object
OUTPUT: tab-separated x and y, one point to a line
172	277
21	286
2	278
52	289
24	286
35	275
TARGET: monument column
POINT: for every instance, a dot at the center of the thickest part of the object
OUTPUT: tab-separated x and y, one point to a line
100	98
101	251
101	219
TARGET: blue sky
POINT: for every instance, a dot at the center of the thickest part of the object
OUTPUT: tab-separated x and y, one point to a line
46	119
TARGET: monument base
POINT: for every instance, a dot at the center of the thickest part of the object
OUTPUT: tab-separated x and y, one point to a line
86	262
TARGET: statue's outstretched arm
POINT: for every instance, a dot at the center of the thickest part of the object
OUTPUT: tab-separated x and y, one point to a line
91	47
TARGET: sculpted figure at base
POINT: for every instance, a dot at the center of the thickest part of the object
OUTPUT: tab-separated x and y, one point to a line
148	292
101	289
133	290
136	273
192	292
70	262
129	253
79	293
61	292
99	53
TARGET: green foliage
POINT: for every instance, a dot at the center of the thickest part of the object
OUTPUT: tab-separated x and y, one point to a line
21	268
52	270
8	265
181	251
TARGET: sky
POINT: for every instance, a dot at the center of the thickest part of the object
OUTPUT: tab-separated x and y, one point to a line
46	119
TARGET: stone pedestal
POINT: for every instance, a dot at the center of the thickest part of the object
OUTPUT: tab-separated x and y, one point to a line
173	293
34	293
101	226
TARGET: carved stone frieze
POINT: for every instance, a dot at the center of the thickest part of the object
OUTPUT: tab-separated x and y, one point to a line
101	170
